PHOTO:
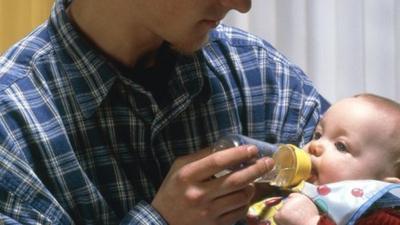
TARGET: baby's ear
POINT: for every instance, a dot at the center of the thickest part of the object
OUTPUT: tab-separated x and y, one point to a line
394	180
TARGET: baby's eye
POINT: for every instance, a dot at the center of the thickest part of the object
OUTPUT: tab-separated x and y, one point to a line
341	147
317	135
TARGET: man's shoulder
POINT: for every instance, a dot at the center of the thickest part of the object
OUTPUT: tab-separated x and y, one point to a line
242	41
20	59
235	36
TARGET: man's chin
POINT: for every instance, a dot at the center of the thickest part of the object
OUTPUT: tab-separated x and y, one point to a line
189	48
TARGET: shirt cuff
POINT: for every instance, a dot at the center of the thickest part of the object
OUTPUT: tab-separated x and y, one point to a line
143	213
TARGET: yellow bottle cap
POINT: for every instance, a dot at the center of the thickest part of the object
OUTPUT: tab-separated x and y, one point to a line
294	165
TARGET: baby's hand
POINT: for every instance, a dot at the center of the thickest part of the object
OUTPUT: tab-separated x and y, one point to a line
298	209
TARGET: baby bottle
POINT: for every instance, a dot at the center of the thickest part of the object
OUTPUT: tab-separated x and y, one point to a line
292	164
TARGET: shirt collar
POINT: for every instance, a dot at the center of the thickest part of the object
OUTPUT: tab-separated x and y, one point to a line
88	70
92	75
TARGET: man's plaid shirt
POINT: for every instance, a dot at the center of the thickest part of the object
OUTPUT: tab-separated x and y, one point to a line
81	143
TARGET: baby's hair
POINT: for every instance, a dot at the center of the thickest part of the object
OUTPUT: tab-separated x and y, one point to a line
389	109
380	101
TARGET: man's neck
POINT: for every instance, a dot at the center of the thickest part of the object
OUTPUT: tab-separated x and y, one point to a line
115	31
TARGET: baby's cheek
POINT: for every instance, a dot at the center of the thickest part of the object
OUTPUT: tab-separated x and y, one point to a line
330	176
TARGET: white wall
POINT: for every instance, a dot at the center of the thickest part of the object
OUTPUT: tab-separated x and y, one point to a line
345	46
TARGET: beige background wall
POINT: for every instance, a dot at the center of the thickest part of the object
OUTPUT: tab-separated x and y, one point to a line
19	17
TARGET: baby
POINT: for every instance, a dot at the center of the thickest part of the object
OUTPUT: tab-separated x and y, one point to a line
358	138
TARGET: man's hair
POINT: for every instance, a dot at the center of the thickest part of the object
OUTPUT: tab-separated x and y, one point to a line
390	110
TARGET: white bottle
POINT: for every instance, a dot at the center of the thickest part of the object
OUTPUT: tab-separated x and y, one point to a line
292	164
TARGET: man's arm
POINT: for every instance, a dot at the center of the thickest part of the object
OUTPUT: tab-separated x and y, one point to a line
189	194
23	197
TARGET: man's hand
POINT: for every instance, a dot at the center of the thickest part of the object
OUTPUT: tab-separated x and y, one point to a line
298	209
191	195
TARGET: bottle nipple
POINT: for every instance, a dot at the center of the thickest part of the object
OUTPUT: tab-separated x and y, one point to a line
292	165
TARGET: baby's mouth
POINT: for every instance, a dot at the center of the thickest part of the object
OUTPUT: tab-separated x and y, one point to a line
313	176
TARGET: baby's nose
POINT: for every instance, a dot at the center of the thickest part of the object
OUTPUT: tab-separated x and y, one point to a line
315	148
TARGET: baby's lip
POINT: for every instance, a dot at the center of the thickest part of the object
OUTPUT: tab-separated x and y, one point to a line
313	175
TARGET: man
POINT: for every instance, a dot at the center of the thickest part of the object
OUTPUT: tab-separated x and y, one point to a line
106	106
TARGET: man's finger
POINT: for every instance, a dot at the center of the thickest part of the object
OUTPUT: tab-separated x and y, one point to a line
206	167
187	159
239	179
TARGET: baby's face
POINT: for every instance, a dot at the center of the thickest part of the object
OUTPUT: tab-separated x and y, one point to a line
350	143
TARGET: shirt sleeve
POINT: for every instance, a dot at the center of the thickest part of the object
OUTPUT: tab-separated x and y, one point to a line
25	200
143	213
305	106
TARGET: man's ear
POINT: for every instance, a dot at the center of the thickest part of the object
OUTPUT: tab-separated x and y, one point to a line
394	180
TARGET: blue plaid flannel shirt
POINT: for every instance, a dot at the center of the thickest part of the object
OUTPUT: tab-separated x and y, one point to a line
82	144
